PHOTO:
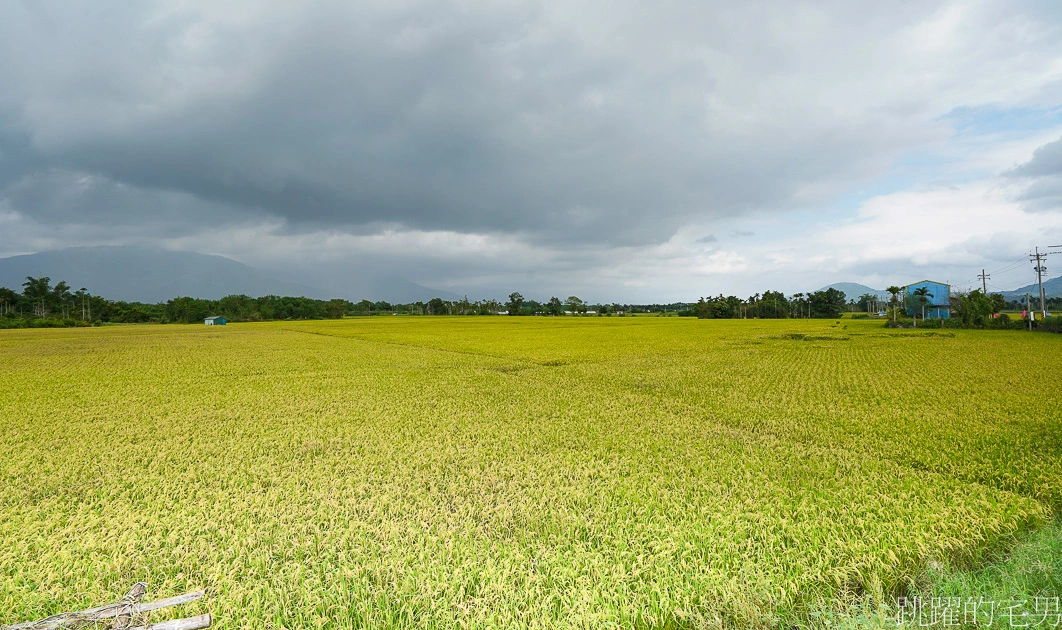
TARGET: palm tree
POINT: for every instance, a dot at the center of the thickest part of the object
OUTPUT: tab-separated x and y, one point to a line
895	291
38	291
923	295
7	299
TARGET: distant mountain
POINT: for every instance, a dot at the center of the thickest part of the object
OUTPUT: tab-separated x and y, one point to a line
396	289
852	290
1052	287
155	275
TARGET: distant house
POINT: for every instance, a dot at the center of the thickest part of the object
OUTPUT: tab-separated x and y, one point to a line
216	320
938	299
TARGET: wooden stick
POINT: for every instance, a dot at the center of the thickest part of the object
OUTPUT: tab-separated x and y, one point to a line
108	611
169	601
191	623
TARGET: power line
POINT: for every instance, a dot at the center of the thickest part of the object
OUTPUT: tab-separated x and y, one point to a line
1011	266
984	276
984	280
1038	260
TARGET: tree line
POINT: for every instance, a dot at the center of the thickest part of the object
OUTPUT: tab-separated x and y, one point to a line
829	303
41	304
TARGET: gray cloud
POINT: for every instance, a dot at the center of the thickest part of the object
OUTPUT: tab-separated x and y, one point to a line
550	127
709	238
1044	173
1045	161
557	123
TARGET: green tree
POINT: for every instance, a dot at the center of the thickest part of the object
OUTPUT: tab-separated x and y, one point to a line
436	306
922	295
999	303
516	302
38	291
868	302
702	309
575	305
236	307
61	297
554	307
974	308
894	291
188	310
773	305
826	304
335	308
7	300
81	298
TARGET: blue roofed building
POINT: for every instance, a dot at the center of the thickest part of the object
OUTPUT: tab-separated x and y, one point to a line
938	299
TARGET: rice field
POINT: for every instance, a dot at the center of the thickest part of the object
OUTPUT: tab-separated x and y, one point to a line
500	472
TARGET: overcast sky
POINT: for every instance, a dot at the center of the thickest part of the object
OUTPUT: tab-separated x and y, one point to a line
630	151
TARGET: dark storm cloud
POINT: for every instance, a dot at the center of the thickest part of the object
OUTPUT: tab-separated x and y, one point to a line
1045	161
1044	173
589	125
540	123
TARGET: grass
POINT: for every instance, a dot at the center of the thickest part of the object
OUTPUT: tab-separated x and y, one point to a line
1030	568
522	472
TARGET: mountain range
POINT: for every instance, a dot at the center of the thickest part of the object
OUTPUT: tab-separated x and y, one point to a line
136	274
852	290
1052	287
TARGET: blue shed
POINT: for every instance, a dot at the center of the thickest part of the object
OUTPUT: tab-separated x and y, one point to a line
216	320
938	299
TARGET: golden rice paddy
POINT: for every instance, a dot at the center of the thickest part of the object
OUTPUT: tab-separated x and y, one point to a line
503	472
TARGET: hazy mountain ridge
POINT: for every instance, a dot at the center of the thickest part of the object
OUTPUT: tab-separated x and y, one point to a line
138	274
852	290
1052	287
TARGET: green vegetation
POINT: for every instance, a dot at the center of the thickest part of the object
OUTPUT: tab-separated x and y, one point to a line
1031	568
522	472
40	305
826	304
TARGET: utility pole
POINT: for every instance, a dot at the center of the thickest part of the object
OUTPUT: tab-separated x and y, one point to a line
1042	293
1037	259
985	277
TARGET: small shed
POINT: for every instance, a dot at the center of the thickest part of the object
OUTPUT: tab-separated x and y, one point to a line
215	320
938	299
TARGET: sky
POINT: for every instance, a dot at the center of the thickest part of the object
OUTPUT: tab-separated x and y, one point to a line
618	151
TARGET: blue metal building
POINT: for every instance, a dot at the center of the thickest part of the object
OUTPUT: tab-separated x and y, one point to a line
216	320
938	299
